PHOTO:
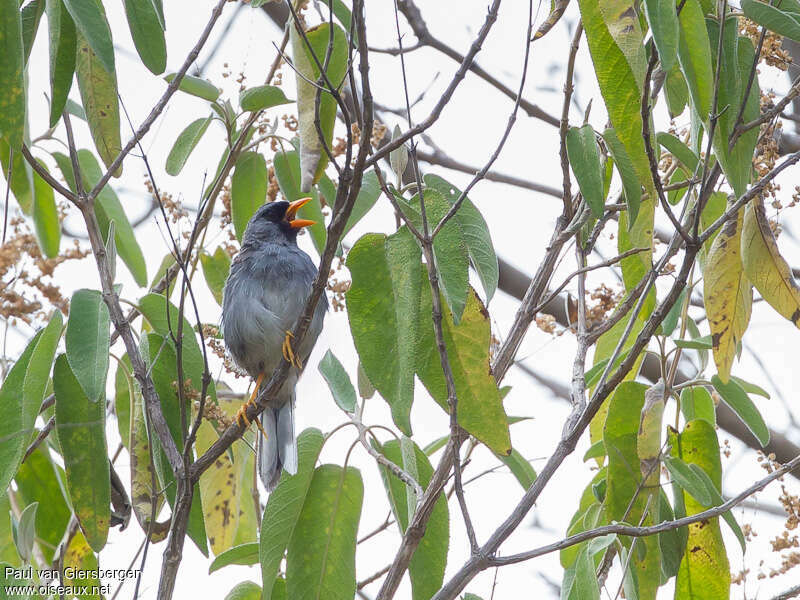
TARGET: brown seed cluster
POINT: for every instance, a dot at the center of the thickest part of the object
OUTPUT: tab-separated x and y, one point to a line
772	51
337	287
217	346
26	293
605	299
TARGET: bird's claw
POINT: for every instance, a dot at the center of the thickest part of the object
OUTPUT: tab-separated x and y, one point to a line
288	352
241	414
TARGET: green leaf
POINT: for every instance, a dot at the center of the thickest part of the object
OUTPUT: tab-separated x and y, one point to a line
584	158
38	480
248	189
520	468
694	56
449	251
475	233
45	216
31	15
215	270
596	450
735	397
202	88
679	150
751	388
696	403
287	173
185	144
87	342
627	172
21	176
622	503
162	363
676	92
15	431
25	531
246	590
671	320
98	88
671	543
687	478
148	34
320	561
38	371
365	200
12	79
585	586
427	566
718	500
125	393
480	408
90	20
283	509
244	554
338	381
262	97
107	208
313	157
775	20
80	425
701	343
663	21
383	309
705	563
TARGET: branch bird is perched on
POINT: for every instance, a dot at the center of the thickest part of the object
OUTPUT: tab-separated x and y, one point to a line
266	291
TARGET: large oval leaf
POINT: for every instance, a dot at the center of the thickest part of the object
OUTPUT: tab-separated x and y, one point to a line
63	45
87	342
383	308
90	20
474	230
727	294
261	97
313	157
12	81
321	558
584	158
283	509
694	56
98	88
186	142
80	424
427	566
147	33
248	189
480	407
765	267
45	216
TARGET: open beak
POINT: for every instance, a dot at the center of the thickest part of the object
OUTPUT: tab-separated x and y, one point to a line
291	212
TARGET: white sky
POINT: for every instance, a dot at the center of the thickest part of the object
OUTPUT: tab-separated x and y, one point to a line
519	220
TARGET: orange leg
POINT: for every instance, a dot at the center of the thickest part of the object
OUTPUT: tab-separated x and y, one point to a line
288	353
241	414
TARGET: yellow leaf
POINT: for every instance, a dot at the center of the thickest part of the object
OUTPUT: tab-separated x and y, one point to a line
764	266
225	488
728	295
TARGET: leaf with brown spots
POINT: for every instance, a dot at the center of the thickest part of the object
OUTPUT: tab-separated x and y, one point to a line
765	267
98	90
728	295
225	486
80	561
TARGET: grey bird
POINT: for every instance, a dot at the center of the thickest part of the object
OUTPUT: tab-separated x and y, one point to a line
266	290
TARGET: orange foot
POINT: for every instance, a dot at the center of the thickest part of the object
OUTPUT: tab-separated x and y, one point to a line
241	414
288	353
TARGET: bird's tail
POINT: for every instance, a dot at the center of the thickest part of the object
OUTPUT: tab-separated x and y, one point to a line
279	450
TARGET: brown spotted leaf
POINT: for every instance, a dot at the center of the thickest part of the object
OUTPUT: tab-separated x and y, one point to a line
765	267
98	90
225	487
727	293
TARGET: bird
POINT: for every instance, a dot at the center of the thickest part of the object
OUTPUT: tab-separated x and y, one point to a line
269	281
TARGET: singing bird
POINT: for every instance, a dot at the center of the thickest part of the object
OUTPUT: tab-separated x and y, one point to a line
267	288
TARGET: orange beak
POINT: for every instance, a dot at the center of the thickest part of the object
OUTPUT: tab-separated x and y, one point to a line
291	212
